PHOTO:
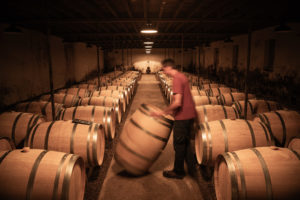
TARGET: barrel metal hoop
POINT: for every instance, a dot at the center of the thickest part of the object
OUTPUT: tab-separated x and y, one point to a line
205	113
78	89
283	128
67	177
4	156
209	142
219	91
147	132
235	112
251	107
74	112
232	98
64	99
268	105
209	101
47	135
32	136
72	138
233	178
104	121
133	152
56	181
33	174
225	135
44	108
29	122
93	114
266	173
252	133
162	117
103	103
293	151
94	144
109	121
225	112
14	128
63	114
89	101
88	144
243	192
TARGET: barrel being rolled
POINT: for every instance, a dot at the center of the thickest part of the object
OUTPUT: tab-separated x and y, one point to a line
40	107
142	140
205	100
106	102
258	173
98	114
255	107
84	139
216	137
207	113
39	174
283	124
227	99
16	125
68	100
6	144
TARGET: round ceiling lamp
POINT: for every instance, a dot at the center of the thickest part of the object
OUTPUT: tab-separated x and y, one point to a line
149	29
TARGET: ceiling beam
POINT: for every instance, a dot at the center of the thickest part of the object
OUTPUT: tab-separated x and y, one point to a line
112	11
140	20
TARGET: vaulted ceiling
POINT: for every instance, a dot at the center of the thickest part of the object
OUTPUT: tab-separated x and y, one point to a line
117	23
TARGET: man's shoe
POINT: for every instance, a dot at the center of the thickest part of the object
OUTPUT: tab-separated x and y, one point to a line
173	174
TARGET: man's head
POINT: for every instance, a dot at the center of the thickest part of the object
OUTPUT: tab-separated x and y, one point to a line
168	66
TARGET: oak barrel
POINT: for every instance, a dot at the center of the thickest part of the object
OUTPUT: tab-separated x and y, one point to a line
114	94
284	125
76	91
6	144
16	125
142	140
205	100
216	137
258	173
68	100
98	114
227	99
38	174
81	138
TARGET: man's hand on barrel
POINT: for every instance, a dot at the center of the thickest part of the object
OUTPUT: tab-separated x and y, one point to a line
157	113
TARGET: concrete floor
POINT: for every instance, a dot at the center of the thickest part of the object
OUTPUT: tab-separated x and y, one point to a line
118	185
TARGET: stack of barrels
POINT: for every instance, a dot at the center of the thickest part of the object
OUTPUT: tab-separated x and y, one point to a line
256	156
54	152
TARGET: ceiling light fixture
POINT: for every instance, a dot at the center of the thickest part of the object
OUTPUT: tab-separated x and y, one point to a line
149	29
148	47
148	42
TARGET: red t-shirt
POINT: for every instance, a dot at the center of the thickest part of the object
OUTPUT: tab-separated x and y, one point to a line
187	109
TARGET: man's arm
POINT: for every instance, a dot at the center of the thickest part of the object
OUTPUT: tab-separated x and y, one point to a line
176	103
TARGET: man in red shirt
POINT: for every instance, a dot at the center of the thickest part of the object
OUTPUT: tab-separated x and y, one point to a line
183	109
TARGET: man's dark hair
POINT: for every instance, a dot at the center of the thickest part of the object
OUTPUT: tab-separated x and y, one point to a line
168	62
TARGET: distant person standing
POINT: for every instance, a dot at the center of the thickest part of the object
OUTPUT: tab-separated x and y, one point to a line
183	110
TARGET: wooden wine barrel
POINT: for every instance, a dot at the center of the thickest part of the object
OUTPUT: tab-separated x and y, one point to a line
68	100
216	137
38	174
227	99
258	173
205	100
112	93
6	144
284	125
97	114
198	92
82	138
255	107
128	91
214	92
76	91
16	125
294	145
40	107
106	102
207	113
142	140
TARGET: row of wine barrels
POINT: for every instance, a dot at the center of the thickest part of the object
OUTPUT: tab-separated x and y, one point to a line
81	138
68	100
87	86
40	107
142	140
227	99
76	91
199	92
284	125
97	114
216	137
207	113
212	85
106	102
6	144
126	93
16	125
254	107
258	173
39	174
114	94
